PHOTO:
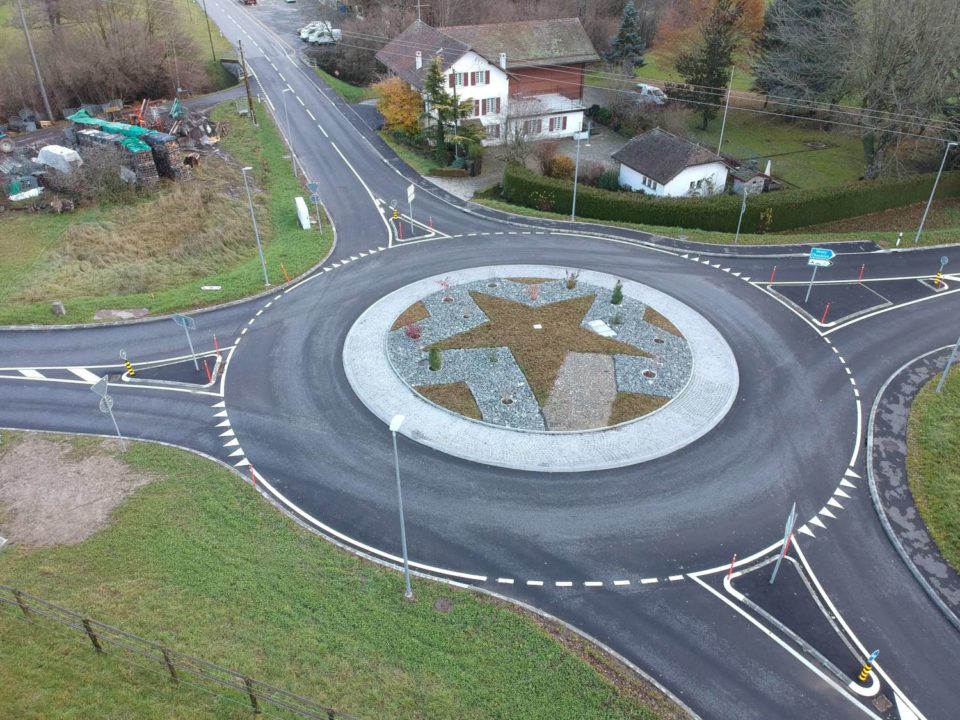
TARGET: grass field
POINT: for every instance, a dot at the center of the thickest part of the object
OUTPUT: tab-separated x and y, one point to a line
659	69
158	252
881	237
418	162
198	561
350	93
933	447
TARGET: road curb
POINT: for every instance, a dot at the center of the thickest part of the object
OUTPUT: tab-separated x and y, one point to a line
878	502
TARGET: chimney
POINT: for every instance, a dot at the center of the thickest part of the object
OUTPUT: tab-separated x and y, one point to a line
503	61
419	59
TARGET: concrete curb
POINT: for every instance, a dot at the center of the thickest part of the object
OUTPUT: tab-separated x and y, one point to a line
878	503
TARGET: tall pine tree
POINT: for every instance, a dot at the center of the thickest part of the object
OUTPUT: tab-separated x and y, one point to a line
705	67
627	46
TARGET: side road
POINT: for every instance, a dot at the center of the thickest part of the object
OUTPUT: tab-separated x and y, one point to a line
887	473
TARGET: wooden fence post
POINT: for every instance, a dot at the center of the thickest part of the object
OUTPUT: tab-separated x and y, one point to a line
22	604
92	636
253	697
170	666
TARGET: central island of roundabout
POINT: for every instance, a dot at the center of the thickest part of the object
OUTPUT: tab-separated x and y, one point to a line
541	368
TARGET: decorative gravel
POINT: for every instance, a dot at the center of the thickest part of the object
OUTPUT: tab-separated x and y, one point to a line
492	374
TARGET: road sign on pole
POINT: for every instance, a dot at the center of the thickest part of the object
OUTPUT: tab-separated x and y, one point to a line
818	258
787	534
411	194
188	324
821	254
106	407
314	189
101	385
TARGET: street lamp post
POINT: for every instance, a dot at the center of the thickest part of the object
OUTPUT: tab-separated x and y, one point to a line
256	231
286	115
576	169
743	209
934	190
394	427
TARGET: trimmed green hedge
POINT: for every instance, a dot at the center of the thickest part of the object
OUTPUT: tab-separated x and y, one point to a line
791	208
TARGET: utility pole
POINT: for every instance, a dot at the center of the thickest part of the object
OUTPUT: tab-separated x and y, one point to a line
209	34
726	107
36	66
246	82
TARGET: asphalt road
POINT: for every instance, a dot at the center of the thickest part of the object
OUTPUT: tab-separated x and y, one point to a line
639	552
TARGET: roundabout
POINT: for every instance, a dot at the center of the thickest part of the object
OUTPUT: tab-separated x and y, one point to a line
537	371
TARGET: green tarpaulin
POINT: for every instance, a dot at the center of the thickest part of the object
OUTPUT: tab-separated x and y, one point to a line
130	133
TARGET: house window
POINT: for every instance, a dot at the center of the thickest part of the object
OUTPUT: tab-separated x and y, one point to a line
533	127
649	182
480	77
558	123
490	106
493	131
466	79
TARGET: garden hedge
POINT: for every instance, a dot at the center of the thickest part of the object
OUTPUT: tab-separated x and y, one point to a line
791	208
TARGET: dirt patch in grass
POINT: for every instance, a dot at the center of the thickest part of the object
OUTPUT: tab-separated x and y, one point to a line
933	446
628	406
413	314
539	353
455	397
657	320
59	492
530	280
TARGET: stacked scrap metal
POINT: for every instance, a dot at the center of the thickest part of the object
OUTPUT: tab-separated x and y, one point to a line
140	153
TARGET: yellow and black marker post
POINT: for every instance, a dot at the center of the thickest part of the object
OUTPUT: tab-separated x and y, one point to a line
868	666
937	279
129	365
396	214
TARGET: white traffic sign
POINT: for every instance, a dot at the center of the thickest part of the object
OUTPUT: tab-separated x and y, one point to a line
106	404
100	386
817	262
411	193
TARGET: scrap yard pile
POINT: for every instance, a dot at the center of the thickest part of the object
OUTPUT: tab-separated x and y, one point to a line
152	140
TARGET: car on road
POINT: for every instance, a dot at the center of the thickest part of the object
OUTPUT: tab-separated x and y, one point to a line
651	94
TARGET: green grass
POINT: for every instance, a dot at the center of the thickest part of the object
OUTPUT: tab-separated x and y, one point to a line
883	238
659	69
350	93
198	561
933	448
36	259
411	157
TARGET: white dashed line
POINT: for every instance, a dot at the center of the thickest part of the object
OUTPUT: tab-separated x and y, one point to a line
840	358
505	581
300	101
259	313
250	321
244	332
563	583
535	583
311	115
323	131
237	341
674	578
593	583
268	304
621	582
282	77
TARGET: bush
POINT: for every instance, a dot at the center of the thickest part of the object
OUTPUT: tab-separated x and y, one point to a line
436	362
791	208
617	296
609	180
561	167
545	151
590	172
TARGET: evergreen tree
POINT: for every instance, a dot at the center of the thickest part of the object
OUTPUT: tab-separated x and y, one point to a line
628	46
437	100
804	49
707	63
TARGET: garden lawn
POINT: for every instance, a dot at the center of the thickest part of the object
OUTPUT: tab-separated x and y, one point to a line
198	561
941	236
659	69
157	252
350	93
933	450
423	165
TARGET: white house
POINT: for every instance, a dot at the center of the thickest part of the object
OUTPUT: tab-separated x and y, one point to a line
663	164
523	77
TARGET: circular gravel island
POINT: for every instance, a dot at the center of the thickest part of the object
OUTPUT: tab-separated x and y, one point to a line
529	368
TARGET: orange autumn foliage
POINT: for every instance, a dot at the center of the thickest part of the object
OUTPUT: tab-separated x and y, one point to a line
679	25
400	105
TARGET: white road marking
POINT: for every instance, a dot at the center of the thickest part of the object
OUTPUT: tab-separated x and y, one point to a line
826	513
233	442
840	358
259	313
806	531
674	578
847	483
282	77
648	581
322	130
268	305
85	374
30	373
277	297
311	115
621	582
219	404
222	413
236	453
228	433
302	104
818	522
593	583
505	581
834	503
244	331
563	583
535	583
225	423
841	493
250	321
243	463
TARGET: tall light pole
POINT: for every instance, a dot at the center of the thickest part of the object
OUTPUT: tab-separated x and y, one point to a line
743	209
394	427
934	190
209	34
286	120
256	231
576	168
36	65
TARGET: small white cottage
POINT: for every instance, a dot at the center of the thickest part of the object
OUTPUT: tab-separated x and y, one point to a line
663	164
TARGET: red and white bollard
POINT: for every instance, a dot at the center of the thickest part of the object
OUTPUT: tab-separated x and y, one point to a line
773	274
826	310
860	276
733	562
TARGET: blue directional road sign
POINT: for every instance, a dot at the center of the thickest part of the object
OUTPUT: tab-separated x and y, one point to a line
821	254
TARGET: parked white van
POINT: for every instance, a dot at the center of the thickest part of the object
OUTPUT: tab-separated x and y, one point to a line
651	94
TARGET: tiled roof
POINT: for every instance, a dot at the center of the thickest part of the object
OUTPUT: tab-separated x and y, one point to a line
400	54
661	155
530	42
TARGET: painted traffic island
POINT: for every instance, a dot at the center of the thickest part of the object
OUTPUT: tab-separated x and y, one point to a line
539	353
541	368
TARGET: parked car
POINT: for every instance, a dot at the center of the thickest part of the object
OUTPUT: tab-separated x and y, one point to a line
651	94
308	29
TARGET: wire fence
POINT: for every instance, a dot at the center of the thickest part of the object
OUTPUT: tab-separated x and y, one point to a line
180	667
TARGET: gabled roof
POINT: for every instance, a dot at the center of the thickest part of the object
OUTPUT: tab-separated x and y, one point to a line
530	42
400	54
661	155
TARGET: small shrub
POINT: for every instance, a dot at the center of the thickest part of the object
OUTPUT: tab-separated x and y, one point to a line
617	297
542	201
561	168
436	361
545	151
571	278
609	180
413	331
590	172
765	221
493	357
617	319
603	115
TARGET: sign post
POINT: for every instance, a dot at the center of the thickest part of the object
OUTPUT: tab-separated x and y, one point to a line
188	324
787	534
314	189
946	370
411	194
106	405
819	257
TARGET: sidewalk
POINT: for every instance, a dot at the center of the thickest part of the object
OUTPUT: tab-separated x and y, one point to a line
887	474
